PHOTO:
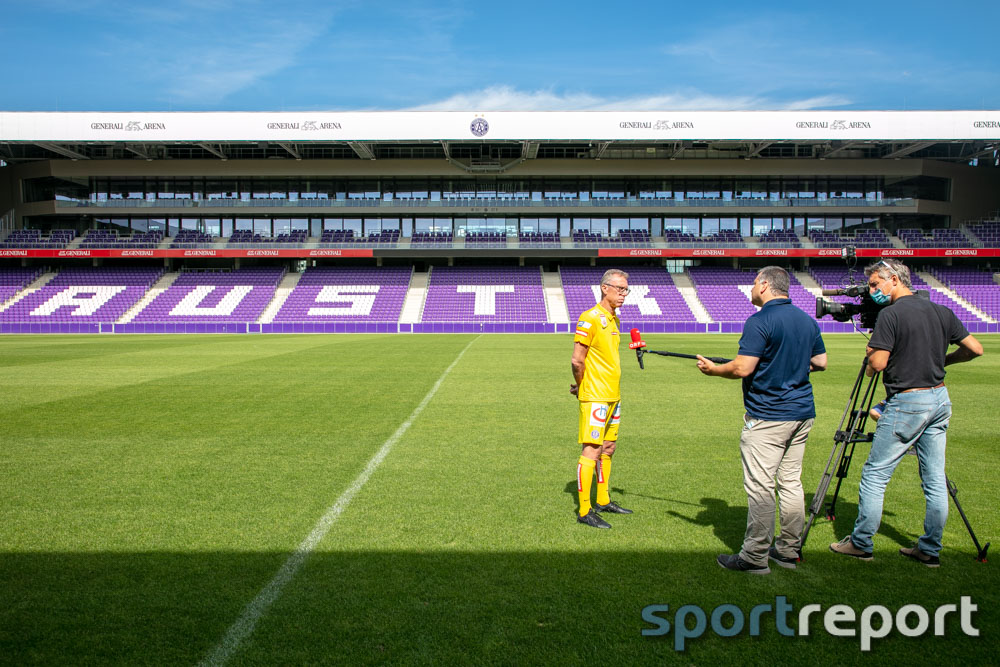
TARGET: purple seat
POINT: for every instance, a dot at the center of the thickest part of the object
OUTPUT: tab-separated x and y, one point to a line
654	298
85	295
347	295
224	297
485	294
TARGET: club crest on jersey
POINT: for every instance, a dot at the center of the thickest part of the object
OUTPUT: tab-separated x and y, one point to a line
604	322
595	434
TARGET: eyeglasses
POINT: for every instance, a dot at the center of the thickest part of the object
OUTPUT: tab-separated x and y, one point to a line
886	265
877	274
621	290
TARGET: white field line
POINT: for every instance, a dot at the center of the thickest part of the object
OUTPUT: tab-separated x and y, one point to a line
245	624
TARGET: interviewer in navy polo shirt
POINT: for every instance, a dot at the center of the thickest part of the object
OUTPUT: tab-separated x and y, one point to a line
779	347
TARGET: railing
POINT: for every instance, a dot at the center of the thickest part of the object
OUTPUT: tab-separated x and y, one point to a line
512	245
495	203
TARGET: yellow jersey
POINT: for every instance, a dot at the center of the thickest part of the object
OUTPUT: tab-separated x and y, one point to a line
598	329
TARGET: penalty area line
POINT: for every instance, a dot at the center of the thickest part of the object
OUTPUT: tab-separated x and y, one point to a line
245	624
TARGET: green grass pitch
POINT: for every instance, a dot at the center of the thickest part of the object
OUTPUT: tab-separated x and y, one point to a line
153	485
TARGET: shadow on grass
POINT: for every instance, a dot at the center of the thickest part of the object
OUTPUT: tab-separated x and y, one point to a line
571	489
845	515
462	607
728	522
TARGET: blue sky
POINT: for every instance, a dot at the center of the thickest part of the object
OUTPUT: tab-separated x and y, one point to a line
231	55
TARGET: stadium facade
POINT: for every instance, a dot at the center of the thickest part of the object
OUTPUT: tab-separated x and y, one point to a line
685	191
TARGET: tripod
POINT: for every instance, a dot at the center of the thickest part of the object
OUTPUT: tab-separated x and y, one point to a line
850	432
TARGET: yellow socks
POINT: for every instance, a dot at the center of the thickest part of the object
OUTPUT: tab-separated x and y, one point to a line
603	475
584	478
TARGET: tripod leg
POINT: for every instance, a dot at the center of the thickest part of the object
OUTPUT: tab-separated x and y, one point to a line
845	464
820	495
953	492
855	421
855	433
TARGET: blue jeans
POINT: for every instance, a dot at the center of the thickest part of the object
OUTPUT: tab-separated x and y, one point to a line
917	419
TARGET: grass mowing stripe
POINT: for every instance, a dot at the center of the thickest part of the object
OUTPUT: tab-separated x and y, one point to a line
244	625
119	362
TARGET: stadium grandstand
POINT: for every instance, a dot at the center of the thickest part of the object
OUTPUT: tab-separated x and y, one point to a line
492	222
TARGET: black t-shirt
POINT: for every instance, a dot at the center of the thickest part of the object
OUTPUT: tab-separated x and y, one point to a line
916	332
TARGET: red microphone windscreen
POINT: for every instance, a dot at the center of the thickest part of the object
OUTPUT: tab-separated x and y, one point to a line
636	340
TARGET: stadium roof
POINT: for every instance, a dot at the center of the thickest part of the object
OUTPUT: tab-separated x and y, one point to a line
516	136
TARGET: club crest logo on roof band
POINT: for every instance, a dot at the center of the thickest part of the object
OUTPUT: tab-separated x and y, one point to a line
479	127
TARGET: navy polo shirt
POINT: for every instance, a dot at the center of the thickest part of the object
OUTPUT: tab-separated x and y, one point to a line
783	338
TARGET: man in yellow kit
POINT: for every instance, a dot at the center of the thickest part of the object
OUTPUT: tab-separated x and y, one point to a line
597	370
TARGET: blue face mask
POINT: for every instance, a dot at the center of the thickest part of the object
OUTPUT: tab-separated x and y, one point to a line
880	297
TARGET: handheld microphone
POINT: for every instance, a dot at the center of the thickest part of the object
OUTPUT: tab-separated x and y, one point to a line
637	344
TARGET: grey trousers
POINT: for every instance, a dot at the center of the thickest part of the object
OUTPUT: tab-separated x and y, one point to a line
771	452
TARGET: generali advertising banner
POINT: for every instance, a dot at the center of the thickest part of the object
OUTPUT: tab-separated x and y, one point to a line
300	253
499	125
306	253
796	252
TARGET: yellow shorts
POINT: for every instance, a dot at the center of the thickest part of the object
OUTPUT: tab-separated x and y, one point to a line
599	422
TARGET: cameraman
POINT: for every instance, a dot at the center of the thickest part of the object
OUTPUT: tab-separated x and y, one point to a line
909	344
779	347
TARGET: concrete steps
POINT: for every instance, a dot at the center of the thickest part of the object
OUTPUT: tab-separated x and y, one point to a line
40	282
939	286
158	288
687	289
285	288
808	282
416	295
555	298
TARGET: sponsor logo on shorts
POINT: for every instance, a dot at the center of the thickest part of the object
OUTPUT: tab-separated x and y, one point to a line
598	414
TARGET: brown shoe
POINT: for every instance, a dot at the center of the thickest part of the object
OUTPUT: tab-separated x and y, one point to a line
916	554
846	547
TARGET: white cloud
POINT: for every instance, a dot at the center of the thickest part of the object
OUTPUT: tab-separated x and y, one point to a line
199	52
506	98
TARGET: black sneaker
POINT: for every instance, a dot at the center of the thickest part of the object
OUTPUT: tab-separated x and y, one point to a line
734	562
782	561
612	508
916	554
591	519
